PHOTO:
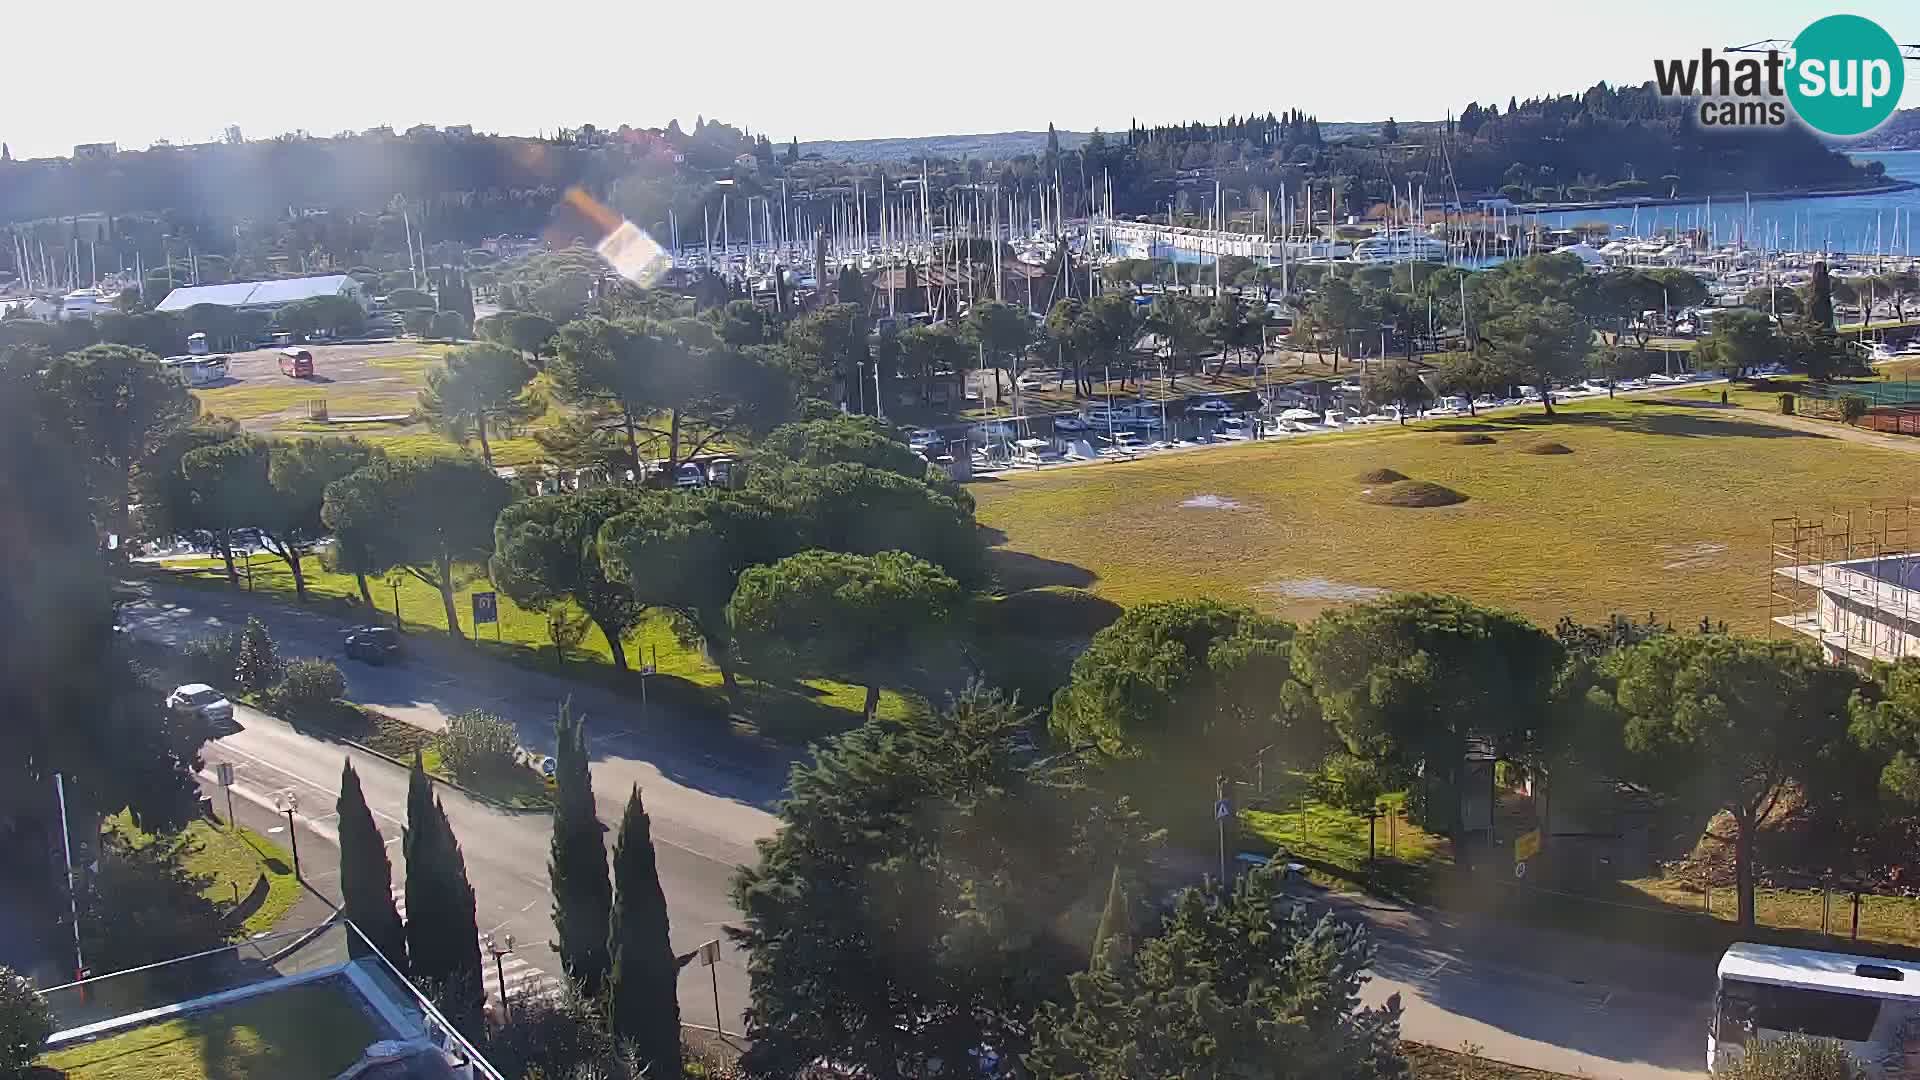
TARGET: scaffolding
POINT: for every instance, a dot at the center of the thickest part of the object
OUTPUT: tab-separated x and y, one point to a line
1863	561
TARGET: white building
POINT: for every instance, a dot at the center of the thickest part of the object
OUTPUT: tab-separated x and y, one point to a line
1866	609
264	295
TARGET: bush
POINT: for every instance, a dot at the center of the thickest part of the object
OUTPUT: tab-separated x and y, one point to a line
478	746
212	660
450	325
25	1023
308	689
1853	407
1351	783
1786	404
256	667
1794	1057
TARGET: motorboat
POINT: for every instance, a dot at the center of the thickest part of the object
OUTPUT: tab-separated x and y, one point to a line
1030	453
1398	246
1070	422
1211	405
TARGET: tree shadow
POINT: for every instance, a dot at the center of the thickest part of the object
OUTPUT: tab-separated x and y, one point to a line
1017	570
1639	419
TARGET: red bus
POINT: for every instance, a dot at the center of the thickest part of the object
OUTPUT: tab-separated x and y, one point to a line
297	363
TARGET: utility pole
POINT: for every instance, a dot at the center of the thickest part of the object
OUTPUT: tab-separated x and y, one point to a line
73	895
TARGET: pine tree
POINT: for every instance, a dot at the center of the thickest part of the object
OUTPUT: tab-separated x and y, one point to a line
577	865
443	938
1113	918
644	1004
258	665
366	877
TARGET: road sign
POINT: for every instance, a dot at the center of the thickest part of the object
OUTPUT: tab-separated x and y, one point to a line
1526	845
1520	869
1222	810
224	771
709	953
486	608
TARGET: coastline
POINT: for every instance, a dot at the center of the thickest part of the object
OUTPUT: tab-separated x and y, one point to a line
1690	200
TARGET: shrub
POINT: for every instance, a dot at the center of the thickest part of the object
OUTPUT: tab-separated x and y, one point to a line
212	660
25	1023
256	666
450	325
308	689
478	745
1381	476
1547	448
1350	783
1853	407
1794	1057
1472	438
1786	404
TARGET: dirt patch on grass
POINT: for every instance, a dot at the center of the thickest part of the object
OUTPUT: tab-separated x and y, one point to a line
1547	448
1321	589
1415	493
1212	502
1381	476
1472	438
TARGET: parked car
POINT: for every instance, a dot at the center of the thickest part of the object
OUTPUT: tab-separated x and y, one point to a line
373	644
201	700
689	476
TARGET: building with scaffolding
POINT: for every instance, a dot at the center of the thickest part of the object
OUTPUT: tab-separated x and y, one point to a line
1851	583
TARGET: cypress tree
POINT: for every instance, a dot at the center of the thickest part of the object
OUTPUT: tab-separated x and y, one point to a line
366	877
577	863
644	1003
443	936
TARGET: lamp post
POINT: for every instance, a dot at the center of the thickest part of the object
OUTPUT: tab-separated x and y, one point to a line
499	950
287	802
393	581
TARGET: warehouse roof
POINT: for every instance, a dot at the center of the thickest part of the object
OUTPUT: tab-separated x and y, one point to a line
256	293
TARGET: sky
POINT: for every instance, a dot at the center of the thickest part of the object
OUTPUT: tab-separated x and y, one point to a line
847	70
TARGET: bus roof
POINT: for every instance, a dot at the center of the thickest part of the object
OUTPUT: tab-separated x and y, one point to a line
1779	965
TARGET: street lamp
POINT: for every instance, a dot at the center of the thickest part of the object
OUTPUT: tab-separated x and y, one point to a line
499	950
287	802
393	580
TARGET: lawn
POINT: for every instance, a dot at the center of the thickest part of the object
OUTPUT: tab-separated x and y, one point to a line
1333	842
683	675
1659	507
234	859
315	1031
1892	920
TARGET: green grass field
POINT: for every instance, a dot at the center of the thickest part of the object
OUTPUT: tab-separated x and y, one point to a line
310	1032
234	859
1659	508
685	677
1333	842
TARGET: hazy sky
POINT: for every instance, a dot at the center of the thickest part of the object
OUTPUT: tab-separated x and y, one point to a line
824	70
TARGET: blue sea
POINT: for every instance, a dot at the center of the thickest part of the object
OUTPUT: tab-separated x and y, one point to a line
1853	223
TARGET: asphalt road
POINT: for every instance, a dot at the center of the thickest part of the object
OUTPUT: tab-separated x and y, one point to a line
1539	998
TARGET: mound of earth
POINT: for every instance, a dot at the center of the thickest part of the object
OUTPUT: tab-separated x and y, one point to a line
1381	476
1412	493
1547	448
1472	438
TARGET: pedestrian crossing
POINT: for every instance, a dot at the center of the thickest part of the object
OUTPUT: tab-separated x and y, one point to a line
523	981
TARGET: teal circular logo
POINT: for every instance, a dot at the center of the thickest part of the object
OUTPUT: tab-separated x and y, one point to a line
1847	75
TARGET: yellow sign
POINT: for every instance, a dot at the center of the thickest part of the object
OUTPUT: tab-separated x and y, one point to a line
1526	846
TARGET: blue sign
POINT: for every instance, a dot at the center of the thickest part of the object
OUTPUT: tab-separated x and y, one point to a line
486	608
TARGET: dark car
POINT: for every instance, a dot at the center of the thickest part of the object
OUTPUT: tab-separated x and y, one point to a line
374	644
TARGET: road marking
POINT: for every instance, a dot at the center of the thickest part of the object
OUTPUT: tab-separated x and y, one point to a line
323	788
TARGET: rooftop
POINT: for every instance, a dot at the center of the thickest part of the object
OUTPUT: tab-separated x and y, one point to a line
1782	966
255	293
317	1003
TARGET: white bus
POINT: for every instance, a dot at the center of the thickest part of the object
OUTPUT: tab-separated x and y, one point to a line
1872	1006
196	370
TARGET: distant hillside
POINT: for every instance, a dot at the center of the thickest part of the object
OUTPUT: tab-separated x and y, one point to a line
1900	132
995	146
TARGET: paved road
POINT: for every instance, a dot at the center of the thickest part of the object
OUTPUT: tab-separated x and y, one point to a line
1531	997
707	810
